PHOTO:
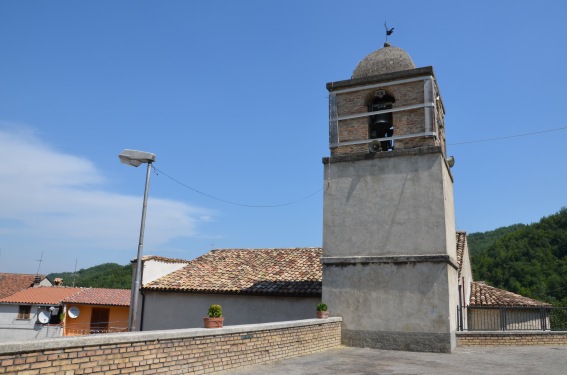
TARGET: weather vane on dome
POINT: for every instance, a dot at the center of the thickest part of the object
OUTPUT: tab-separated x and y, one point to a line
388	32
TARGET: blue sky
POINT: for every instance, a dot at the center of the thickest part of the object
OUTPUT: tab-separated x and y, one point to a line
231	98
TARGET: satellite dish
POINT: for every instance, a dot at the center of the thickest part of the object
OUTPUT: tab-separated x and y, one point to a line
74	312
43	317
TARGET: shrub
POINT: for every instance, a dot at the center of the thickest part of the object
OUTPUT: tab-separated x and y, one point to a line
215	311
321	307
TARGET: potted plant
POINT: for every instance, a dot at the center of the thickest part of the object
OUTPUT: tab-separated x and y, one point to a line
322	312
215	318
62	318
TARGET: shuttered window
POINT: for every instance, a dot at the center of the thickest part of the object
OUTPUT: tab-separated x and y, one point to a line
24	312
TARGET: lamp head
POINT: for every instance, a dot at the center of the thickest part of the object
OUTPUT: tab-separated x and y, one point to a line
451	161
135	158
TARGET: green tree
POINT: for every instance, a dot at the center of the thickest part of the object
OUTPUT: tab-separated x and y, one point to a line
107	275
527	259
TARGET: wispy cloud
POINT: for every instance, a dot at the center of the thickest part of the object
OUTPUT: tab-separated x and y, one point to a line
53	201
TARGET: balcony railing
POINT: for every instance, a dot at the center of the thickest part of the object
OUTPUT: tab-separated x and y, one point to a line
512	318
77	329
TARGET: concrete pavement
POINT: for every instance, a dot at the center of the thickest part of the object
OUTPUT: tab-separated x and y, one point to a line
362	361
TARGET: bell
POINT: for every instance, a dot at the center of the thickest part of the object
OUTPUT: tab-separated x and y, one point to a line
383	120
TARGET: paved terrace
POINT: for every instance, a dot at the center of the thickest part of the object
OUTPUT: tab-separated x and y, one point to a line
483	360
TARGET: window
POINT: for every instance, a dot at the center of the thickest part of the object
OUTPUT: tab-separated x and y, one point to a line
381	125
99	320
24	312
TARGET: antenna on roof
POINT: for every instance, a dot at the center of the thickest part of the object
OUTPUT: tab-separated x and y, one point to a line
75	273
39	260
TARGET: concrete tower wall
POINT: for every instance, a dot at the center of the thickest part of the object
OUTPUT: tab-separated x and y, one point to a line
389	251
389	206
394	305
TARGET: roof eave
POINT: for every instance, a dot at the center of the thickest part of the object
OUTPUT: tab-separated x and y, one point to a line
232	292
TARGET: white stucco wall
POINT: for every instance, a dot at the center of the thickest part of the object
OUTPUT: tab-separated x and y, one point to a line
466	274
154	269
45	282
464	281
12	328
186	310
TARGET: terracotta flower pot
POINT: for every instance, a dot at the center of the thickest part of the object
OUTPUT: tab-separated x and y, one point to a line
214	322
322	314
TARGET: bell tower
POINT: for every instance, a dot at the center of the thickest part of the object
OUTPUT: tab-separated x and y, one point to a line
389	248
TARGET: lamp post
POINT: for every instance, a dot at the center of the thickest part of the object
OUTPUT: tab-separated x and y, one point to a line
135	159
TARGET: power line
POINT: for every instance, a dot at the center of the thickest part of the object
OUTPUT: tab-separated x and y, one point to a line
156	170
231	202
507	137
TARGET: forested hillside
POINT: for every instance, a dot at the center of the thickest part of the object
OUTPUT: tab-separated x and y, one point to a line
480	241
527	259
107	275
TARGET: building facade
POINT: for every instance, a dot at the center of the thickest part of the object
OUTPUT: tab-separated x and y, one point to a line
95	311
33	313
251	285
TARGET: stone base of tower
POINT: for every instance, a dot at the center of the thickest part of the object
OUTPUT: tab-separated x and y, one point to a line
393	302
405	341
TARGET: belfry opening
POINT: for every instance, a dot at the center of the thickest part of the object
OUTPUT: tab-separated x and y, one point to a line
381	125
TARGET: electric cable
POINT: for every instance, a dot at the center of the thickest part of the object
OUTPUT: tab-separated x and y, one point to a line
156	170
507	137
231	202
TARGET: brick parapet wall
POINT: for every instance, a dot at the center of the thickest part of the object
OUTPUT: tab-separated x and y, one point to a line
187	351
515	338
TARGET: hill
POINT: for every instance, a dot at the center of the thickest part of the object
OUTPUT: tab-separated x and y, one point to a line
527	259
107	275
480	241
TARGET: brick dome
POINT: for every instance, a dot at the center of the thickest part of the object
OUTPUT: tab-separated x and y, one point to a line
385	60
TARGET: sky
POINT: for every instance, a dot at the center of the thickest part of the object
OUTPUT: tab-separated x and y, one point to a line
231	97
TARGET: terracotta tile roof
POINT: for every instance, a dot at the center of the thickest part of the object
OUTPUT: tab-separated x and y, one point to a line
43	295
101	296
161	259
11	283
489	296
461	241
289	272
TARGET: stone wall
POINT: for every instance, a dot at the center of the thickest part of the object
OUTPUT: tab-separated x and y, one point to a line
188	351
511	338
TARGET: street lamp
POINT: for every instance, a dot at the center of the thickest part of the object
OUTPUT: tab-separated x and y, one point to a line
135	159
